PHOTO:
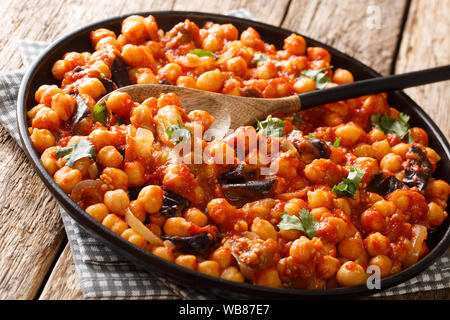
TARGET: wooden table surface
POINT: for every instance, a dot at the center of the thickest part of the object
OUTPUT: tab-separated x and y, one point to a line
390	36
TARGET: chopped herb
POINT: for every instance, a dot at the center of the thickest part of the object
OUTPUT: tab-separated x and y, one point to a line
258	57
82	149
390	125
295	128
272	127
348	186
305	223
297	118
177	132
335	144
203	53
410	138
319	76
100	114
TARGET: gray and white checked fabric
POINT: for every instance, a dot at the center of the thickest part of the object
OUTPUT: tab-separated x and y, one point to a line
105	275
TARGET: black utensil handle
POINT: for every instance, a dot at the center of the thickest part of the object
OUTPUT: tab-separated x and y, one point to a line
373	86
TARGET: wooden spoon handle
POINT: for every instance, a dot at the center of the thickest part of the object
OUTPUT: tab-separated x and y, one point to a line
373	86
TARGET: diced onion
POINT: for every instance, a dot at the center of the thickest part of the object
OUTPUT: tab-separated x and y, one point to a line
140	228
419	236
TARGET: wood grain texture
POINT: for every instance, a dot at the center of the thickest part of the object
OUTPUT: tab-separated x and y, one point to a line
31	227
63	283
426	44
368	31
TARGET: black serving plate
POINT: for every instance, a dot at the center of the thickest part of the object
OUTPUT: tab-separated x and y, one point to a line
79	41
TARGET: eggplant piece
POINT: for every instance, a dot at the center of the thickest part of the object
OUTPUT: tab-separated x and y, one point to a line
108	84
198	244
164	81
309	148
240	174
384	185
173	204
119	72
321	148
418	168
82	118
240	193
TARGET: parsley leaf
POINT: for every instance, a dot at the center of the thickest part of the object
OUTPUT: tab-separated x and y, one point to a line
335	144
177	132
203	53
305	223
272	127
390	125
297	118
319	76
348	186
258	57
100	114
82	149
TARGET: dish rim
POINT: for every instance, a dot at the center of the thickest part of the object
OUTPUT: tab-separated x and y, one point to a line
180	274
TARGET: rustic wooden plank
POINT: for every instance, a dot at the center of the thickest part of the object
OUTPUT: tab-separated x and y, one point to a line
31	228
63	283
426	44
269	11
367	31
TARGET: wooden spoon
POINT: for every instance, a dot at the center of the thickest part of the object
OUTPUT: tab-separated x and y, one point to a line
232	112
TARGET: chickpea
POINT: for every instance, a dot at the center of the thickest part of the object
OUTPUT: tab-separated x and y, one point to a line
419	136
46	118
372	220
67	178
97	211
187	260
138	56
120	103
209	267
266	70
295	44
342	76
376	244
233	274
163	252
327	267
92	87
177	226
301	249
98	34
382	262
152	197
401	149
350	248
438	189
45	93
212	43
101	138
42	139
318	212
137	208
222	256
102	67
210	80
320	198
135	172
63	104
351	274
268	278
142	76
332	229
59	69
375	135
117	201
114	178
363	150
114	223
386	208
380	149
196	216
436	214
109	157
264	229
237	65
391	162
186	82
170	72
49	160
134	237
349	133
134	28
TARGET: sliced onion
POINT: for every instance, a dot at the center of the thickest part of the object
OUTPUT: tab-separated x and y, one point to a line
419	236
88	192
140	228
227	55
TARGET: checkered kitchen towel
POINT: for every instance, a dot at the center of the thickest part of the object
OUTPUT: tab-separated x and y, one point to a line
105	275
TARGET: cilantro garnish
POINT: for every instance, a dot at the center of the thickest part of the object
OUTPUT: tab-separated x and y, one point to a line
319	76
258	57
305	223
203	53
82	149
335	144
390	125
177	132
348	186
100	114
272	127
297	118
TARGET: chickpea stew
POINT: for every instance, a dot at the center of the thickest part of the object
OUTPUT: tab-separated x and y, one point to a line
307	200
